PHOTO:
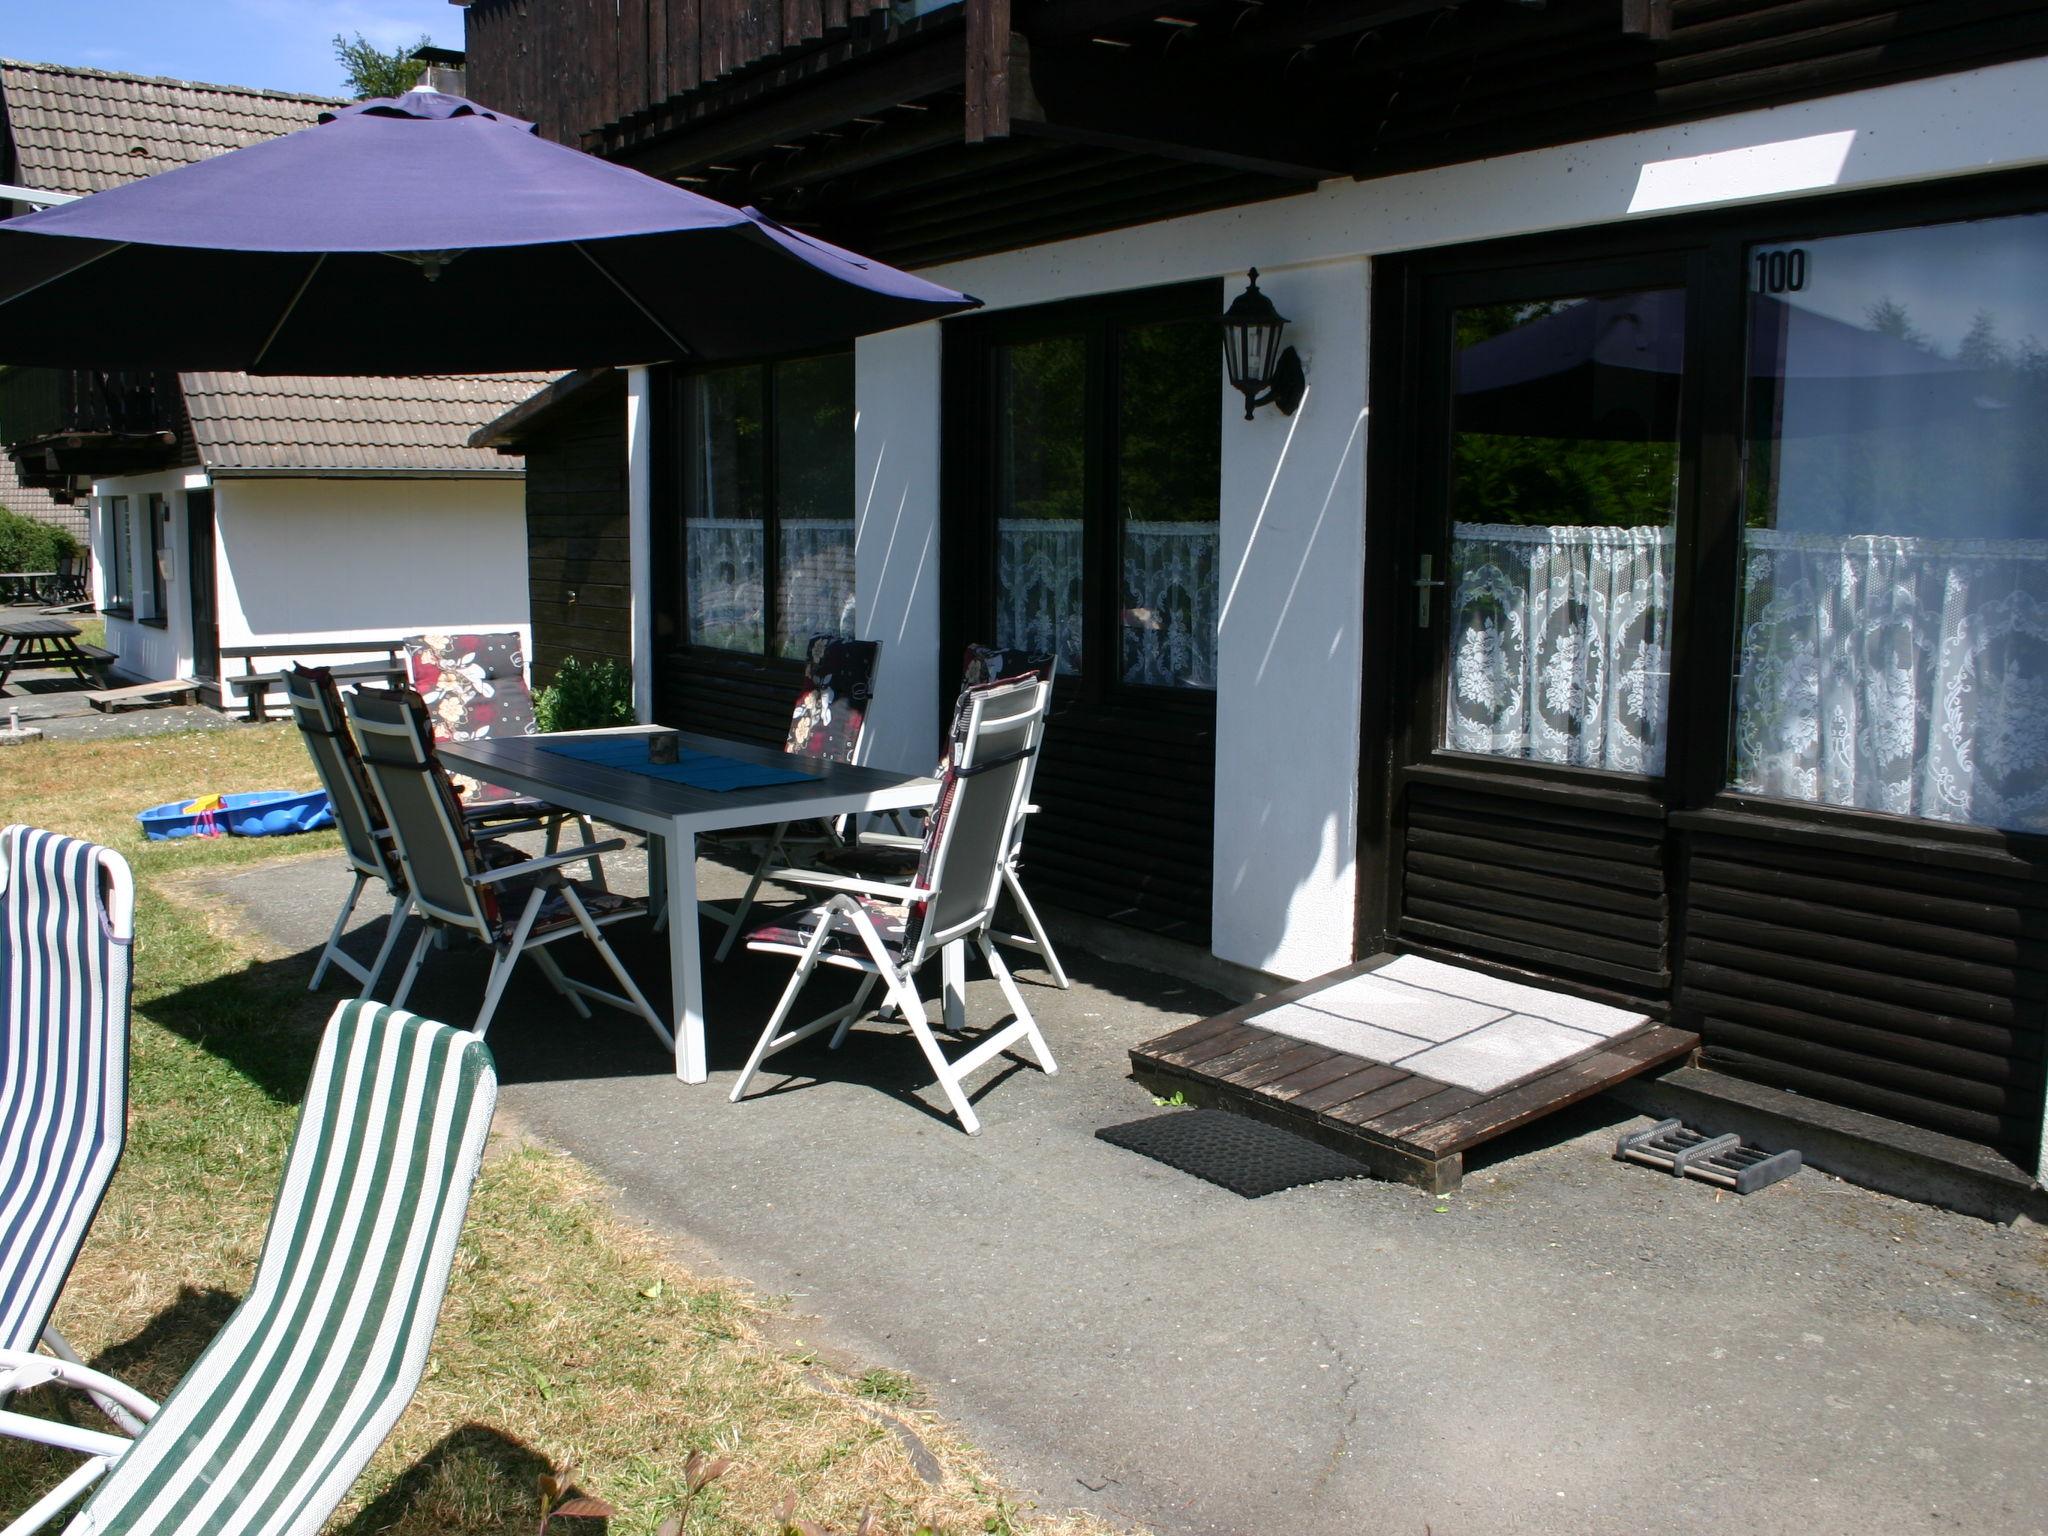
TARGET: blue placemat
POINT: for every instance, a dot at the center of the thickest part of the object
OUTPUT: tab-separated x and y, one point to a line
699	770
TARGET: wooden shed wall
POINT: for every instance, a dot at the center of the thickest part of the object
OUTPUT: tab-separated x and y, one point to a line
579	580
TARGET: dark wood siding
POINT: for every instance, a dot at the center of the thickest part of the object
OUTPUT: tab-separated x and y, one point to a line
579	579
744	698
1892	975
1535	874
1128	811
576	66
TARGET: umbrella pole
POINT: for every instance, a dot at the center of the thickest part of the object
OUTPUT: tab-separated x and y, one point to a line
112	250
298	294
633	299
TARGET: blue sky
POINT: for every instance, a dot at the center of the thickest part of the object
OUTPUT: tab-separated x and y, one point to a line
286	45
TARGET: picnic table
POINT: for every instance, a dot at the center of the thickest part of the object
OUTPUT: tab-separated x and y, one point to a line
718	785
47	643
35	586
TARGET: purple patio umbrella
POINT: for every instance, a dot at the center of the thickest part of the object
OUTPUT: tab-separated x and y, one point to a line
425	234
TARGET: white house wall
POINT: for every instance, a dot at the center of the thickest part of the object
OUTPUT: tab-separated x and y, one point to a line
896	538
146	652
1293	490
319	561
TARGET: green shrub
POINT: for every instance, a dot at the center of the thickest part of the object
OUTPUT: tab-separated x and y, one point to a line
585	696
27	545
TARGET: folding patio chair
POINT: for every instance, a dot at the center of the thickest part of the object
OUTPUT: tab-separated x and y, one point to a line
513	908
315	701
887	932
885	854
67	922
267	1432
830	720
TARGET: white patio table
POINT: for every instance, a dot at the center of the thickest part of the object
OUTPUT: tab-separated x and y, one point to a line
653	800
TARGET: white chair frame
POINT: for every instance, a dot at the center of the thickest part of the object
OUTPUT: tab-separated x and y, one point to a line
993	737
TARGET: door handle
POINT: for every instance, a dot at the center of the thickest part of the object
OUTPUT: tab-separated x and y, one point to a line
1422	584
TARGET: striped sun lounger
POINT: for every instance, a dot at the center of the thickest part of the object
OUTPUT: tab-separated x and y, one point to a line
266	1433
66	921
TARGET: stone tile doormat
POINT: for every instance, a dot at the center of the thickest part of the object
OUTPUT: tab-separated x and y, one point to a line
1247	1157
1449	1024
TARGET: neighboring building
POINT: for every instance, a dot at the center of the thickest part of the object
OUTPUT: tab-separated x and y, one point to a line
229	510
1651	593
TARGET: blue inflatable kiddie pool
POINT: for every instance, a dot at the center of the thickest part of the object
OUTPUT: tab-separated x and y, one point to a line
259	813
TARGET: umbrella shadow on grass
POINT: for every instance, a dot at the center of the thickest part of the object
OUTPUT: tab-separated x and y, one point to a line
474	1478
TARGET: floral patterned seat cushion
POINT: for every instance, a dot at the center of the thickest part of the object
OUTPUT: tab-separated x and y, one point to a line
474	686
793	931
839	681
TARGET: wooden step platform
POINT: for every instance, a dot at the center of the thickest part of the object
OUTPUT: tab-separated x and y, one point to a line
1400	1120
140	695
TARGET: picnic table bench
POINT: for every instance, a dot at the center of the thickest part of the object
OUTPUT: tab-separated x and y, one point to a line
45	642
256	685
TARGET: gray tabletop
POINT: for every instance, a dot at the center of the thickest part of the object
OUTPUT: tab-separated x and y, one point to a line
527	758
27	629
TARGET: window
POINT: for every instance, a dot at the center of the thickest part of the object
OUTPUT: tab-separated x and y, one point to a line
1892	645
158	515
1106	454
120	553
768	505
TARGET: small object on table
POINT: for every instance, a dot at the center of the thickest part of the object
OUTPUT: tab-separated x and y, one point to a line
664	747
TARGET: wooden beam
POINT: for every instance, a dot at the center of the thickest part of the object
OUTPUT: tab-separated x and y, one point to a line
988	70
1646	18
854	90
859	150
1114	99
1287	31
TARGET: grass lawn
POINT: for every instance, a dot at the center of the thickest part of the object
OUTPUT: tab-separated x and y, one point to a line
568	1335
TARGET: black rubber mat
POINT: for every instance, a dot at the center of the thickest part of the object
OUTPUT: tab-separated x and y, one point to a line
1247	1157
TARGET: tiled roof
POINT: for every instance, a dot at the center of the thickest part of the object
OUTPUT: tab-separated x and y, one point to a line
82	130
281	425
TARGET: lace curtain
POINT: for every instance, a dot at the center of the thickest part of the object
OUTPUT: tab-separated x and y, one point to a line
1558	644
1896	674
722	566
1169	579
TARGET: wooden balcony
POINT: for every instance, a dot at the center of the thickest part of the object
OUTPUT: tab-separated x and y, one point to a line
60	425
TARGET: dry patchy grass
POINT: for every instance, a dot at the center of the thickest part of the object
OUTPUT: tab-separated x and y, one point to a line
568	1335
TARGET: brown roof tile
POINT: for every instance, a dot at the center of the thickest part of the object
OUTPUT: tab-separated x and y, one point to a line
82	130
245	424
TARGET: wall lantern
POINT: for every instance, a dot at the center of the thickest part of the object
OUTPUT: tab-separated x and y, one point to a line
1263	373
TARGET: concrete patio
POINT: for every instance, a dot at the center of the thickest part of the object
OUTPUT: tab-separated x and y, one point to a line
1569	1345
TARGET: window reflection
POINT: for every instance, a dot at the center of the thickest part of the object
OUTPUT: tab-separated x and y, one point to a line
1169	449
1041	465
1893	647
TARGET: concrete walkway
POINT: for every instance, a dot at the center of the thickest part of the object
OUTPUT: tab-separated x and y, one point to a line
1571	1345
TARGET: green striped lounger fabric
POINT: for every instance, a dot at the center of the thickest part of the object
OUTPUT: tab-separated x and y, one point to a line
267	1432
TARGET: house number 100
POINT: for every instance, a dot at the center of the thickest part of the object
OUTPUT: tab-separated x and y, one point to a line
1780	271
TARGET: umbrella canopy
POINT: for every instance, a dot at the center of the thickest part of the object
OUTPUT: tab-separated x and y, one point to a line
425	234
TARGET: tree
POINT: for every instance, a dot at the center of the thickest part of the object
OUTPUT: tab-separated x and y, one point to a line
370	71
